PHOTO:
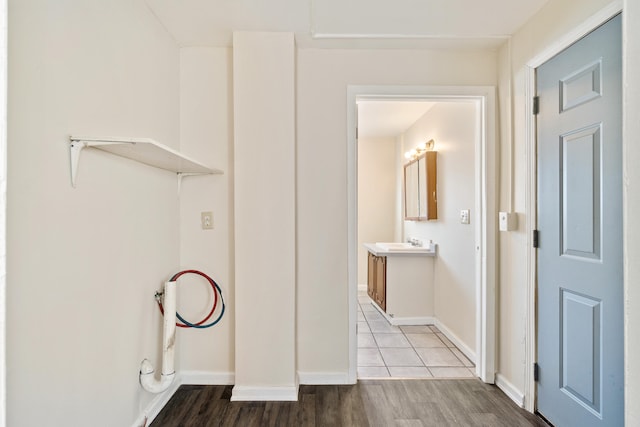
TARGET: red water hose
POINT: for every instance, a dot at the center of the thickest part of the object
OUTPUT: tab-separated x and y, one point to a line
215	297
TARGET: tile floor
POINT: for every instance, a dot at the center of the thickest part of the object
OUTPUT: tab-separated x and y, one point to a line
387	351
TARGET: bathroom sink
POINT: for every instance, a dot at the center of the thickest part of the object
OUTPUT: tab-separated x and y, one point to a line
395	246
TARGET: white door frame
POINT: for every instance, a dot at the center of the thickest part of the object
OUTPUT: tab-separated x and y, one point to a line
484	213
555	48
3	207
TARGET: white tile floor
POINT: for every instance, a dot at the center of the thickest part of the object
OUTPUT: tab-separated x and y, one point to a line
387	351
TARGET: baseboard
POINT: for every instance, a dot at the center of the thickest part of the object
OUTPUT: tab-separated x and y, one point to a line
182	378
510	390
247	393
405	321
323	378
362	287
429	320
207	378
155	406
466	350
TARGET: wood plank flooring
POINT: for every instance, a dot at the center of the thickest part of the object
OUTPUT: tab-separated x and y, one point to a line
384	403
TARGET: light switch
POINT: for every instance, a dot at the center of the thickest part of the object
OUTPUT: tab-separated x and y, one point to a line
464	216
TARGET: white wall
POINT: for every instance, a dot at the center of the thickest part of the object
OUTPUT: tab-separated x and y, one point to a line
206	133
83	264
265	213
108	68
555	19
453	127
631	130
376	196
323	77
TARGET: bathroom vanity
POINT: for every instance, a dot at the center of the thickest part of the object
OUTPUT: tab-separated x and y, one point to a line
400	281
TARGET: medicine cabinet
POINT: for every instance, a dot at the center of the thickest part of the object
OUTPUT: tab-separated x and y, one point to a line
420	186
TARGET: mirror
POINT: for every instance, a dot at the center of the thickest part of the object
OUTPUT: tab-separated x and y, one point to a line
420	175
411	191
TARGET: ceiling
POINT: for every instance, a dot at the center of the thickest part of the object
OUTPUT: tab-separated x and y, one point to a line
388	119
353	24
348	23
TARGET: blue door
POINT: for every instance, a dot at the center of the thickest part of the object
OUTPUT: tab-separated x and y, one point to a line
580	277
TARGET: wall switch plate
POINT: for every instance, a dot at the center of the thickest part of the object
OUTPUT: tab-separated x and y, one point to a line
465	216
206	219
507	221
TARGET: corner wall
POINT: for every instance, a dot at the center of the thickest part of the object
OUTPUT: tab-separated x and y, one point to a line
83	264
206	133
376	196
453	127
265	216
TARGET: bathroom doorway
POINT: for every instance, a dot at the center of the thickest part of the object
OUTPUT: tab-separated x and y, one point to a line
455	335
420	319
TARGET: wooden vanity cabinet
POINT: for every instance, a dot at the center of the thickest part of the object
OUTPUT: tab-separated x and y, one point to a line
401	283
377	279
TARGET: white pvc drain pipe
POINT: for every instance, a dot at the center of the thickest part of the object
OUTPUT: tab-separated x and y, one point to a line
147	377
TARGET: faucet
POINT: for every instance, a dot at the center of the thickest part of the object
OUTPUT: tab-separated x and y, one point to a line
413	241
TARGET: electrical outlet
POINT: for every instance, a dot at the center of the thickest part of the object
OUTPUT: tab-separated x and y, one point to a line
206	219
464	216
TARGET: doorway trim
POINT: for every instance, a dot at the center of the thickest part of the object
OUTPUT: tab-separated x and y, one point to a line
531	201
484	213
4	53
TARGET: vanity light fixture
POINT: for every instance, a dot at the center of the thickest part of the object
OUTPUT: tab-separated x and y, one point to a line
411	154
420	149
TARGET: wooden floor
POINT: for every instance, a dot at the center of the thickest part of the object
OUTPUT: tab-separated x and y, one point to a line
406	403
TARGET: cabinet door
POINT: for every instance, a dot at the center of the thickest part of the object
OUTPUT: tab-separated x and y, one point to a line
381	282
371	275
430	180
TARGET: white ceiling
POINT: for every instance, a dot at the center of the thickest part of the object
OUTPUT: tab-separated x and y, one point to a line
353	24
346	23
388	119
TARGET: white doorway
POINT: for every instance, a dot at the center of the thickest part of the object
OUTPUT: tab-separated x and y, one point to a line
421	322
482	213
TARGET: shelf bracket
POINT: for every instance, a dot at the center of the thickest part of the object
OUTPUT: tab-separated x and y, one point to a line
184	175
75	147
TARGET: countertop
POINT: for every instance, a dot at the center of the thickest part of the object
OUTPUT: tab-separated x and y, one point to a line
400	249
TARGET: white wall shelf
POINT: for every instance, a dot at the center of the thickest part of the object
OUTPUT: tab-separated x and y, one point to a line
143	150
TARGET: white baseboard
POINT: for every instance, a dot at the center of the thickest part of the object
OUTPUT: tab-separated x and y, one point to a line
405	321
510	390
430	320
207	378
323	378
362	287
182	378
245	393
155	406
465	349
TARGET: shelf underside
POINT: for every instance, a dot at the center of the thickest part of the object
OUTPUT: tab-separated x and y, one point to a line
143	150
